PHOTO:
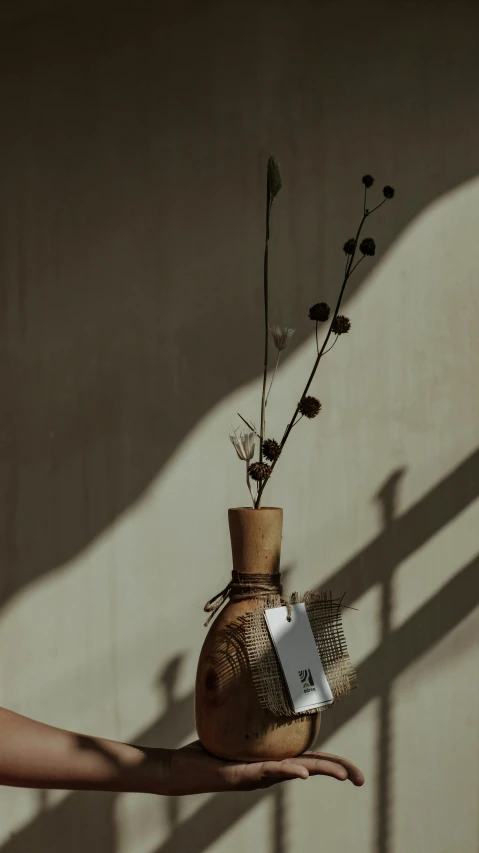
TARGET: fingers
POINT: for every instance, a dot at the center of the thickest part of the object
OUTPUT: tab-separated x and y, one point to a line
353	773
274	771
262	774
325	767
266	773
279	771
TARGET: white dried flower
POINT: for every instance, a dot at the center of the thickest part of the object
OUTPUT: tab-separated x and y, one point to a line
244	445
281	336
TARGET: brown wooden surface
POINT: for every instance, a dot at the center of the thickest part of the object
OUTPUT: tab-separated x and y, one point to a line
229	718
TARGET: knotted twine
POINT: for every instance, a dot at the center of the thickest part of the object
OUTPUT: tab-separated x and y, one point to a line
244	587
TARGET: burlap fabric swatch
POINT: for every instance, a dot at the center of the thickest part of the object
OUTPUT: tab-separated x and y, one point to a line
324	614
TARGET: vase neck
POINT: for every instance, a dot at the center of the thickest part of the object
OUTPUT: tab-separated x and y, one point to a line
256	539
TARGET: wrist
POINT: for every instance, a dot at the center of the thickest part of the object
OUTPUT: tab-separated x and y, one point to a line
152	775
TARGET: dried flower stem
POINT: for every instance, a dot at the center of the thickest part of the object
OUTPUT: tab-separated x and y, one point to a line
332	345
317	341
360	259
251	427
368	212
272	378
266	320
248	482
348	272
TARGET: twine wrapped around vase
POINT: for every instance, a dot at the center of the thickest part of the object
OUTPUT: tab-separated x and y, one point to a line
244	587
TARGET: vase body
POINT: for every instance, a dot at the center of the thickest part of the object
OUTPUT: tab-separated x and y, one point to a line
230	721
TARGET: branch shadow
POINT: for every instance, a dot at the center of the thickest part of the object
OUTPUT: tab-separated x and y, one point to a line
103	247
115	216
87	821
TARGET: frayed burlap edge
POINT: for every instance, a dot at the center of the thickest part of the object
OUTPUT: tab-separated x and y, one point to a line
324	614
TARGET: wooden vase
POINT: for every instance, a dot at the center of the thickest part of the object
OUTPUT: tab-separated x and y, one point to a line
230	721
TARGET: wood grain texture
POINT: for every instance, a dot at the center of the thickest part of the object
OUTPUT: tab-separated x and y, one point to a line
229	718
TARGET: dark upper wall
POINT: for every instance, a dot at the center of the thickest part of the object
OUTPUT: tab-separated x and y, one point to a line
133	148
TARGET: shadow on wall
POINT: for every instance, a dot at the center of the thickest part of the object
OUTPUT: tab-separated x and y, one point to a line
134	145
87	821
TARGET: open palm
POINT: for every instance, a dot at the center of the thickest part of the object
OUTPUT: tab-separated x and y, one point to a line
194	771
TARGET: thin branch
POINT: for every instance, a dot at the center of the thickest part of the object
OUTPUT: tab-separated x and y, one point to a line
336	310
347	273
272	378
377	207
320	353
248	483
332	345
297	422
356	265
250	426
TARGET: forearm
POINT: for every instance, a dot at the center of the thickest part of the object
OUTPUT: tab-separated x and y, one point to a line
34	755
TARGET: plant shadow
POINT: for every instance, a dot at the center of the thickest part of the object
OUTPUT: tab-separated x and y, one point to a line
84	821
131	220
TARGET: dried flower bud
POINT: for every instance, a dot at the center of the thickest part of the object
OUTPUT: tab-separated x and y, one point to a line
368	181
340	325
281	336
309	407
368	246
259	471
244	445
350	246
274	177
271	449
319	312
388	192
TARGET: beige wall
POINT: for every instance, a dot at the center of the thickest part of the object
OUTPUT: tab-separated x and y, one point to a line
133	145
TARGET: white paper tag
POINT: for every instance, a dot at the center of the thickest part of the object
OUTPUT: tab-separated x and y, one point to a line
299	658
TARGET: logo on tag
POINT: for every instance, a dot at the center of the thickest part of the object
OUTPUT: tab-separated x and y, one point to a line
306	680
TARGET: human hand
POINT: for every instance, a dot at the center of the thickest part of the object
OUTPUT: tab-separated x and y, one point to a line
192	770
34	755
